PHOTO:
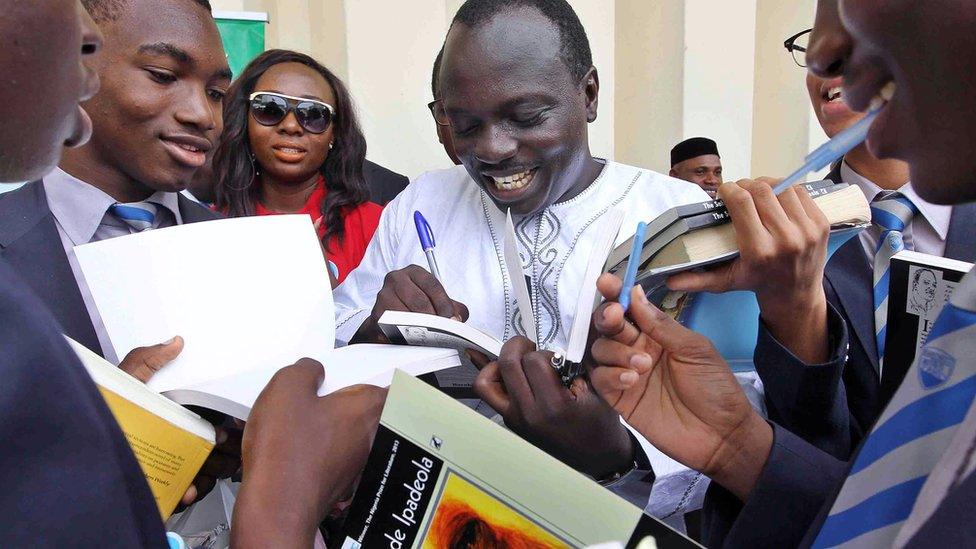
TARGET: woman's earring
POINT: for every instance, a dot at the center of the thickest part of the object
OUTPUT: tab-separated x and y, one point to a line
254	173
330	144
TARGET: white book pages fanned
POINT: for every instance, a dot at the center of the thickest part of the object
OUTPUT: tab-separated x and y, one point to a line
513	266
244	294
248	296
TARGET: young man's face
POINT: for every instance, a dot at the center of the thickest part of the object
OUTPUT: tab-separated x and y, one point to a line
164	74
42	80
519	118
928	49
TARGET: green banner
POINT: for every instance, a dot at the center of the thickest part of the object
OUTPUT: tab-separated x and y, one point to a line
243	41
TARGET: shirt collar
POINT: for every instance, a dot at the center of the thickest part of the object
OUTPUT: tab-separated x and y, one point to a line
938	216
79	207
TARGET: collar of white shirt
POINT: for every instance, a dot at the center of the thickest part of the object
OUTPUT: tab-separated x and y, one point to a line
80	207
936	215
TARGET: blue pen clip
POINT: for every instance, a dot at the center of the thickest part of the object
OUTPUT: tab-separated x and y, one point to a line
426	236
631	275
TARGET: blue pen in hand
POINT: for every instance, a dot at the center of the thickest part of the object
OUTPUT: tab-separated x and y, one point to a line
426	242
631	275
831	151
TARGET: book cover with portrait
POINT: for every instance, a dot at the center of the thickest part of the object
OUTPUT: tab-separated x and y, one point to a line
920	285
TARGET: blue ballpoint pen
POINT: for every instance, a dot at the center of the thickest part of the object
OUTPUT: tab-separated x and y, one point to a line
426	242
831	151
631	274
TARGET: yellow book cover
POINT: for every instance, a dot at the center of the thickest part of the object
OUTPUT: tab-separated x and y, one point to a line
169	441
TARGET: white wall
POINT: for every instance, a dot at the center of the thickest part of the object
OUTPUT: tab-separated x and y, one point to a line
391	50
669	69
598	19
720	47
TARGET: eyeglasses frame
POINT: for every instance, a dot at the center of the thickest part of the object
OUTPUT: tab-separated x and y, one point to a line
790	45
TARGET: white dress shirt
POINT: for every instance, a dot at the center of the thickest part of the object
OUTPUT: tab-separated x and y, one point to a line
925	234
81	215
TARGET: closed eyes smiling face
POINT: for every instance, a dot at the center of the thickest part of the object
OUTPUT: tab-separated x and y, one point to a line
518	117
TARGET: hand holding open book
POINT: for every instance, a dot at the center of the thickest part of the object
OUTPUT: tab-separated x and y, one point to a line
319	460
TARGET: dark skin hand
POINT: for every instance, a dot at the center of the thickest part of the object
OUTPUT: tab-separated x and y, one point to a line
225	459
142	362
783	249
671	385
411	289
574	425
292	479
223	462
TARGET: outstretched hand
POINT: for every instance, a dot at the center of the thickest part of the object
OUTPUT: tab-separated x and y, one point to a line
671	385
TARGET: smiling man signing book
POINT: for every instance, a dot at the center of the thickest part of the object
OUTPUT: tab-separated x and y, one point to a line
517	90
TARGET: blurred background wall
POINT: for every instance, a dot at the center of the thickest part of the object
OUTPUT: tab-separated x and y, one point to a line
669	69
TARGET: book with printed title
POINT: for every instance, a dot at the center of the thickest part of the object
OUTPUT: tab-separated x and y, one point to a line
919	287
440	475
169	442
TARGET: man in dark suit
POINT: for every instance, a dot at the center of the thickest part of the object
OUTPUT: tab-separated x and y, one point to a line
69	478
384	185
809	399
911	484
163	74
155	118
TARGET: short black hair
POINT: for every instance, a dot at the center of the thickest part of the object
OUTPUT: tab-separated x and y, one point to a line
575	46
109	10
435	76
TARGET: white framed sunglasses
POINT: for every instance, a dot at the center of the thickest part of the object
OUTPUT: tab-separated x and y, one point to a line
270	108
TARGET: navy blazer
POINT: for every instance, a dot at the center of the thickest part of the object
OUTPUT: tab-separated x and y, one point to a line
31	246
384	185
833	405
69	478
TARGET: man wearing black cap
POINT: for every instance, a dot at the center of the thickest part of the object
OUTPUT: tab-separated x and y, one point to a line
696	160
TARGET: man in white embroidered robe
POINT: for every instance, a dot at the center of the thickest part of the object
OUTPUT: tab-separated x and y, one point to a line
518	108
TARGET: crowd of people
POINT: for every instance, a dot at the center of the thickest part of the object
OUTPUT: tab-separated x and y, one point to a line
113	107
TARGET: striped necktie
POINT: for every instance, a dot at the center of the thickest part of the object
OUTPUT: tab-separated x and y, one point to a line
138	215
912	434
891	212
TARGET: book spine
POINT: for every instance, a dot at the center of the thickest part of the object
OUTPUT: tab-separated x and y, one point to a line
814	188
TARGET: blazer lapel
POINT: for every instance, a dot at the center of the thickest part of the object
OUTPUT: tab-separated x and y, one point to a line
31	245
850	276
192	212
961	240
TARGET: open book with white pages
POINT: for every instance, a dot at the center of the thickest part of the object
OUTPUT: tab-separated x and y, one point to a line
269	305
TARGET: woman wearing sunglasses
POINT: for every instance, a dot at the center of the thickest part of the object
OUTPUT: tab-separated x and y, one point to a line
292	144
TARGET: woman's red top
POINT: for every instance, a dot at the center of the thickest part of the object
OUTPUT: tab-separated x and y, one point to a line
360	223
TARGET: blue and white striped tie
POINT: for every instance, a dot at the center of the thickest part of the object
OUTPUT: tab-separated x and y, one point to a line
138	215
891	212
912	434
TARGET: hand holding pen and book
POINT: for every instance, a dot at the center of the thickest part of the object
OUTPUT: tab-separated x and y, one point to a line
769	237
411	289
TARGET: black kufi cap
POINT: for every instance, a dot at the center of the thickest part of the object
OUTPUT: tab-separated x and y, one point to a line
692	148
